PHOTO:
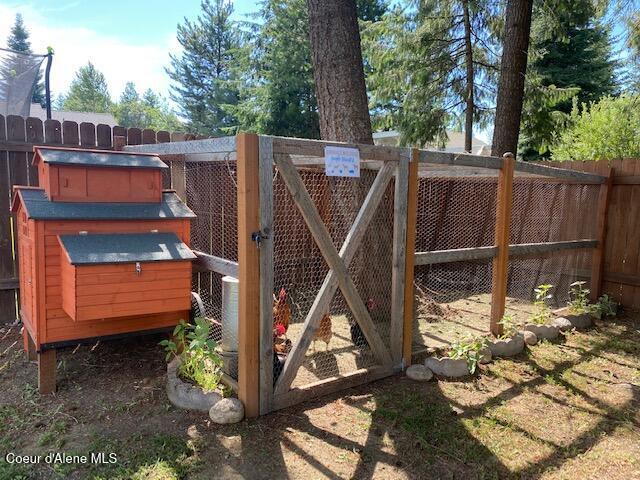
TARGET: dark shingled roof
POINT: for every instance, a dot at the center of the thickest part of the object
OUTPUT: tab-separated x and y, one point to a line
39	207
124	248
99	159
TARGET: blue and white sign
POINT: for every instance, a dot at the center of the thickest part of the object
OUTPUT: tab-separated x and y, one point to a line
341	162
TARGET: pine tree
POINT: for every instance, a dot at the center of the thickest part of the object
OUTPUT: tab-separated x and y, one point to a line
88	91
18	41
204	86
148	111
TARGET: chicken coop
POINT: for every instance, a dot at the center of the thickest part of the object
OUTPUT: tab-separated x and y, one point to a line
103	251
333	270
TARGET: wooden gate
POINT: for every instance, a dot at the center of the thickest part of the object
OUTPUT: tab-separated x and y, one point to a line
282	165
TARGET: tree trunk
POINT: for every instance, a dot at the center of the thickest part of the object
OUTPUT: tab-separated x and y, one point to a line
468	123
338	71
512	76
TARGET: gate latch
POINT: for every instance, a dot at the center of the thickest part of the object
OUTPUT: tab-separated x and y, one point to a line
259	236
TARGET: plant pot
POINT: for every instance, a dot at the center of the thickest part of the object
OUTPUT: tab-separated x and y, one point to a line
447	367
578	320
185	395
548	332
506	348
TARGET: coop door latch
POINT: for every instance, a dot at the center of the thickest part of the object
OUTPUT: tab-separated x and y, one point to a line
259	236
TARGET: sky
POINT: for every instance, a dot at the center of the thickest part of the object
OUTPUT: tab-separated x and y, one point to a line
126	40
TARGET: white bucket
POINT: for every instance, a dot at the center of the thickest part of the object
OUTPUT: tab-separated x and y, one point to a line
229	341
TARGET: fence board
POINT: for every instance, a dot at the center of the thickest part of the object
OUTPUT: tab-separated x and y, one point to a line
7	296
70	133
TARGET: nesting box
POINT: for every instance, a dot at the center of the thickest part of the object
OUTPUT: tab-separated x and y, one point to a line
102	250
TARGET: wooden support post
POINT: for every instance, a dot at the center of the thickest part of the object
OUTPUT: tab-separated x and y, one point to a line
29	345
248	274
501	261
597	260
179	179
399	258
412	215
47	371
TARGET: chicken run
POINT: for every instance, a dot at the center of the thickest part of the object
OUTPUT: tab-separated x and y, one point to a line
341	280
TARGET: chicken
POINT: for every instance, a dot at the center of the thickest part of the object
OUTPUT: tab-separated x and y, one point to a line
357	335
281	311
323	332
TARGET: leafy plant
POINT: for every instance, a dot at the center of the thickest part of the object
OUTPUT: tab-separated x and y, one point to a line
579	298
604	307
468	349
542	312
509	328
200	362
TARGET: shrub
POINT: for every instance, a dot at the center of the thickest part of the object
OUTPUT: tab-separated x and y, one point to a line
579	298
541	311
469	349
603	130
605	307
509	328
200	363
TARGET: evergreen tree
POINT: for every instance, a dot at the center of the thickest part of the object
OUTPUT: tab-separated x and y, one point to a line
570	56
149	111
18	41
204	86
88	91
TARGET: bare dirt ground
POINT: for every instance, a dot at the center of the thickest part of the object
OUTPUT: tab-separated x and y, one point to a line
568	409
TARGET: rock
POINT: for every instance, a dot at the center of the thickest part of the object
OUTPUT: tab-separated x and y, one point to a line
227	410
562	323
447	367
530	338
485	355
548	332
419	373
507	348
579	321
187	396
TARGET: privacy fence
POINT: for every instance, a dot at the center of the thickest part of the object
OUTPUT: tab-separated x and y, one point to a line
359	272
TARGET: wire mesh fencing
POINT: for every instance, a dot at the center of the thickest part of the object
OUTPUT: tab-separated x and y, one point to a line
339	345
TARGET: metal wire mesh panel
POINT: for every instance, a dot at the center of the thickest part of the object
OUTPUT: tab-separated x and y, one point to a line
559	269
212	195
339	346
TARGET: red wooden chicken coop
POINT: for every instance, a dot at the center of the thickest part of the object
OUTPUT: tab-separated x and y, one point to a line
103	251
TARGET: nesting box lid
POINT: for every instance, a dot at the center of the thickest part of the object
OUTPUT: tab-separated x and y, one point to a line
92	249
93	158
39	207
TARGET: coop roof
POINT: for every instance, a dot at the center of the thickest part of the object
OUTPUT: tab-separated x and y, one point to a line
57	156
124	248
39	207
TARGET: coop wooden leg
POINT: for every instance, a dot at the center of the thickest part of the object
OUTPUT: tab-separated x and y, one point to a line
29	345
47	371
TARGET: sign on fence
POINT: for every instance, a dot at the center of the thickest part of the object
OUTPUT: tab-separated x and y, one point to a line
341	162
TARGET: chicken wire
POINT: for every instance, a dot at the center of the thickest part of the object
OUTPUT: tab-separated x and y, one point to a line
212	195
300	269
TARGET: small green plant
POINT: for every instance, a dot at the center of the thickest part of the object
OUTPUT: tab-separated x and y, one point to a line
200	363
509	328
469	349
579	298
541	311
604	307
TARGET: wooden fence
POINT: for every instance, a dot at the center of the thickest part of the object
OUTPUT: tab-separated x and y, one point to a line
18	135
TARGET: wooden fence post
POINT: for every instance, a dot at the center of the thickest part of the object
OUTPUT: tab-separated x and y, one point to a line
248	274
410	250
597	259
501	261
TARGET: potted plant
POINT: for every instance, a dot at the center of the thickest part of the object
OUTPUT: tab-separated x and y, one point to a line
578	310
540	321
508	344
463	357
195	368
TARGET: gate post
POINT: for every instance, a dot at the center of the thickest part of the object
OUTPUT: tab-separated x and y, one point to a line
410	251
248	274
597	259
501	261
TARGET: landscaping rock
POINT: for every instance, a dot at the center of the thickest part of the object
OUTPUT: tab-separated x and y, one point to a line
447	367
579	321
419	373
562	323
530	338
227	410
548	332
485	355
187	396
507	348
